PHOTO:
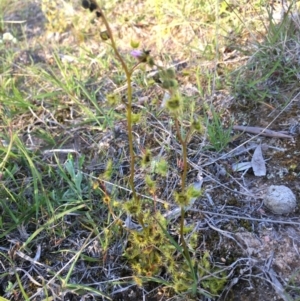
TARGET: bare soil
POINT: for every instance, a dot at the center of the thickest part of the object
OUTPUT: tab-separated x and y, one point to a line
267	245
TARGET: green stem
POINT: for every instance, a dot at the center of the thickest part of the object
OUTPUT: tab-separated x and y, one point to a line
128	74
183	242
113	43
184	172
183	143
130	138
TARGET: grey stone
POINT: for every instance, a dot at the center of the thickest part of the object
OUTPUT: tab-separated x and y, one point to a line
280	199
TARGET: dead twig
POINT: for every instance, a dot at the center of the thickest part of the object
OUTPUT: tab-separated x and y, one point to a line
261	131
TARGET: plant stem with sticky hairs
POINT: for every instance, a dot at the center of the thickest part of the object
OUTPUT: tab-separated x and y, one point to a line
128	73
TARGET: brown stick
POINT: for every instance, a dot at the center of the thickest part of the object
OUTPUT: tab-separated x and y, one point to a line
261	131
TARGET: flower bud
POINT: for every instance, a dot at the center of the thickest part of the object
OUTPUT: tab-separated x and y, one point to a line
104	35
85	4
170	73
173	103
134	44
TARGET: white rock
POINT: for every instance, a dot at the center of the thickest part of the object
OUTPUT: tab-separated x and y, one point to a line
280	199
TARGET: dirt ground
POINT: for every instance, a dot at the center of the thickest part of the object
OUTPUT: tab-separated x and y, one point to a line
266	246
